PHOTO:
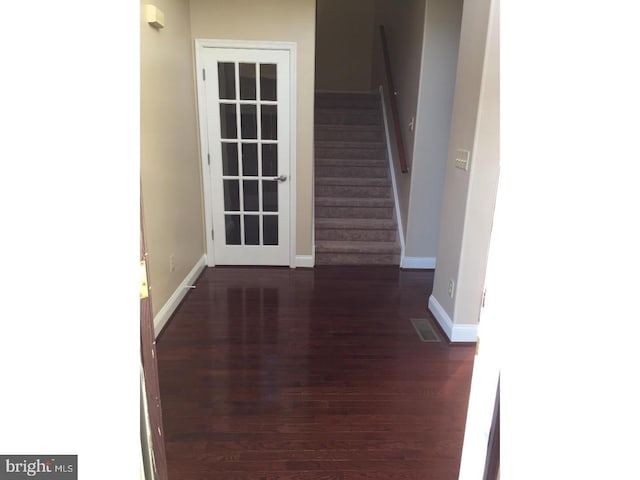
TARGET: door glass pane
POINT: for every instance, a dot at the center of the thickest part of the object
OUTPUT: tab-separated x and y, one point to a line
250	159
270	229
227	80
269	122
268	81
231	195
270	160
269	196
251	230
247	81
248	117
228	127
230	159
232	229
250	195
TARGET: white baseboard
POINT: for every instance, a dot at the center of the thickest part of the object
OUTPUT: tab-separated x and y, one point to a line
455	332
161	319
418	262
305	261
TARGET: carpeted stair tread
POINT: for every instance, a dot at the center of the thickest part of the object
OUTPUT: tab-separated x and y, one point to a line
356	182
349	145
328	246
353	162
342	95
352	153
338	127
338	112
353	212
351	171
353	202
352	100
356	259
357	235
324	116
352	191
354	133
355	223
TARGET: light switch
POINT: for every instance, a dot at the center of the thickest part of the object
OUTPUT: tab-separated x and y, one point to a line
462	159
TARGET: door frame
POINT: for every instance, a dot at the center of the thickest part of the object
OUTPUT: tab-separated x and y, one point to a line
200	45
149	377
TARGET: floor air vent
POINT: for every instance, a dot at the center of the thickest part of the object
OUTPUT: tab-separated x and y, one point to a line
425	330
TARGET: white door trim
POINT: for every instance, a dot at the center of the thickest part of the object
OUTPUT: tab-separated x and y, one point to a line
291	47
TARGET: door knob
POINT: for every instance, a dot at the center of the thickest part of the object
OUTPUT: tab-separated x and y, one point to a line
279	178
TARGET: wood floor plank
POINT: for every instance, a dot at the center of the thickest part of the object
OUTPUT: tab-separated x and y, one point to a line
310	374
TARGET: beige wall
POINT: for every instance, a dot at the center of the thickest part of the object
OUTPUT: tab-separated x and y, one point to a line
433	120
169	160
404	27
344	40
423	40
275	20
484	184
467	208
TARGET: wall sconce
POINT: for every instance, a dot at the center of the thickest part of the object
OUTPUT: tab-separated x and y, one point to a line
154	16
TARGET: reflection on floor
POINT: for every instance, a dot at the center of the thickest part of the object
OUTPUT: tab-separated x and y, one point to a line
273	373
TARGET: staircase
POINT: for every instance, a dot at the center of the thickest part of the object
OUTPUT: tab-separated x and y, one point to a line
355	219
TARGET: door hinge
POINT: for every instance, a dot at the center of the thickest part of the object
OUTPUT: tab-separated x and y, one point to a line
144	286
208	159
204	74
212	234
484	296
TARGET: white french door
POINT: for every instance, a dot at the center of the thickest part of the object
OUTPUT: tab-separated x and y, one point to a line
246	123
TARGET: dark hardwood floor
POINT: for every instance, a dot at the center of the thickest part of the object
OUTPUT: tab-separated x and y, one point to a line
280	374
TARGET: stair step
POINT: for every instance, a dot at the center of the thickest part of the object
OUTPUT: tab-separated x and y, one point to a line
327	246
351	171
355	224
356	235
379	153
359	182
354	212
341	100
345	116
353	207
353	202
347	144
352	162
355	133
352	191
357	259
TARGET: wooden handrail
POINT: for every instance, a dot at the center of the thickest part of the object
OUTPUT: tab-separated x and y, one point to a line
394	103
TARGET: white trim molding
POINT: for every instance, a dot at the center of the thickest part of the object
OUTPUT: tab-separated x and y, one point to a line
305	261
418	262
455	331
161	319
393	173
203	138
292	47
